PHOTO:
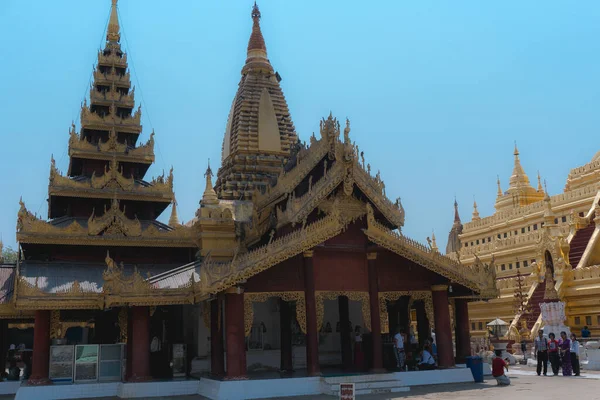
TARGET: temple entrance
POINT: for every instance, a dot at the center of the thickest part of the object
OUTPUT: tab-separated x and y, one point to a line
409	314
344	338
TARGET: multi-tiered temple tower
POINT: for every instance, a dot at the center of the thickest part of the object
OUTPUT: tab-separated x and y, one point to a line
259	132
99	210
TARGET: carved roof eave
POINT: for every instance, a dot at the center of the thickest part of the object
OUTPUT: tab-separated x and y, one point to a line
94	154
33	230
31	297
481	282
216	277
58	191
165	240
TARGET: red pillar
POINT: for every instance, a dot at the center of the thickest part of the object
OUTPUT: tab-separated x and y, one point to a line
217	367
285	315
375	321
236	343
443	330
129	349
461	333
345	332
41	349
312	338
140	344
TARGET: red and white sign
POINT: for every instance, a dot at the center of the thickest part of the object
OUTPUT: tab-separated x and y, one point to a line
347	391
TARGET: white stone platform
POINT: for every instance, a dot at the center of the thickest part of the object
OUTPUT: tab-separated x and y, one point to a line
109	389
9	387
311	386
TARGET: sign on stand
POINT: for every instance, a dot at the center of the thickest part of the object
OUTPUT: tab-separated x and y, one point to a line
347	391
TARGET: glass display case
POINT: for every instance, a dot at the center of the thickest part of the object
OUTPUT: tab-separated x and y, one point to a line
86	363
61	363
111	362
179	360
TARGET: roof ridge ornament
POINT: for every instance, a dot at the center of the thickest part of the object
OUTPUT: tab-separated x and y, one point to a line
113	33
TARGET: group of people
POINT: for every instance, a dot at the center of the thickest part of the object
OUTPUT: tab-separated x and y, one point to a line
427	355
562	353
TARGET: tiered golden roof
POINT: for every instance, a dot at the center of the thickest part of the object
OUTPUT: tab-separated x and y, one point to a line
259	132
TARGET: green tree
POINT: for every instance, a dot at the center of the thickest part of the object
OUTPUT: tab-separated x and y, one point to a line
9	255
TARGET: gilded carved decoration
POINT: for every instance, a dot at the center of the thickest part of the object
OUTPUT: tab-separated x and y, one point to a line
80	144
416	295
112	59
363	297
89	118
56	331
114	222
261	297
112	95
30	296
216	276
118	231
479	278
123	323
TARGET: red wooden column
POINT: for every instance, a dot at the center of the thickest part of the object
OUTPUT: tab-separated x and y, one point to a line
312	338
40	362
443	330
140	345
236	335
285	316
461	333
217	367
375	321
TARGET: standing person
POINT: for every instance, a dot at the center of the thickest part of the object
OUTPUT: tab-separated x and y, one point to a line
399	349
541	352
433	348
575	354
553	352
498	366
585	332
565	354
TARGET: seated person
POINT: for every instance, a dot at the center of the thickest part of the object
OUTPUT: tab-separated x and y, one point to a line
427	362
14	372
498	366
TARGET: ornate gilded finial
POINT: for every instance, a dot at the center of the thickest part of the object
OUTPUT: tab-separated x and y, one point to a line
257	50
539	188
209	196
113	34
347	132
499	187
433	242
516	153
174	219
475	216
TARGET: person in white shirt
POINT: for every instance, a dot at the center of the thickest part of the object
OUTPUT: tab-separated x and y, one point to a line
575	354
399	349
427	362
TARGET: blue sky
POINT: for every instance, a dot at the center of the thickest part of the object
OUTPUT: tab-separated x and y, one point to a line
436	91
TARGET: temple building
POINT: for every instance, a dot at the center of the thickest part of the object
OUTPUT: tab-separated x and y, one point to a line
295	252
529	231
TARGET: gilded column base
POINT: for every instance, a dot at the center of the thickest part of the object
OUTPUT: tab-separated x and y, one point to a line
235	378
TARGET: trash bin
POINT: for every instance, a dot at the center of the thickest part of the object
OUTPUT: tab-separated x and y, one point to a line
475	363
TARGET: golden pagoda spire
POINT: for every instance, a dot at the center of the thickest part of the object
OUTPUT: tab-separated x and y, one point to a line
499	187
475	216
456	216
519	177
540	188
113	34
209	196
257	50
174	219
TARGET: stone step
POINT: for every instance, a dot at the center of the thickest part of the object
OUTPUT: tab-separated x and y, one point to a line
372	387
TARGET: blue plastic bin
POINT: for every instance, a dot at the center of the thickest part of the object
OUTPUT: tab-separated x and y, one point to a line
475	363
